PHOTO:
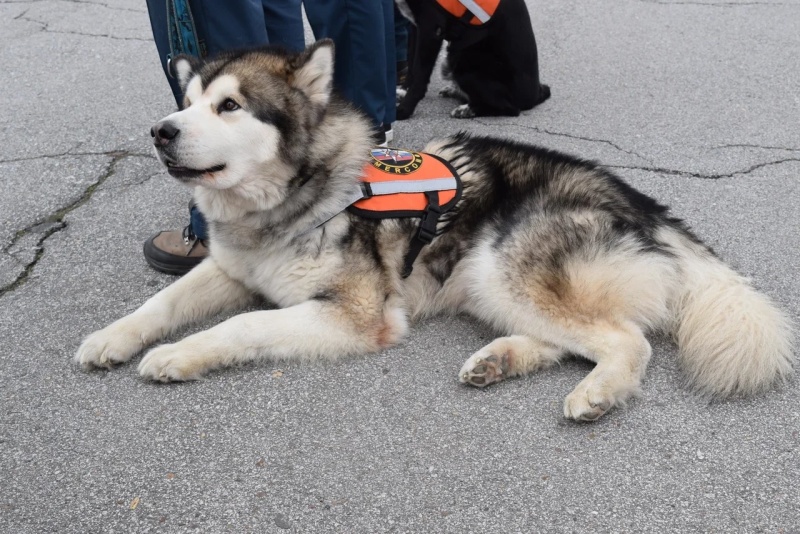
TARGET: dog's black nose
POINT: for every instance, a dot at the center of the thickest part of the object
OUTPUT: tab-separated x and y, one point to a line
163	132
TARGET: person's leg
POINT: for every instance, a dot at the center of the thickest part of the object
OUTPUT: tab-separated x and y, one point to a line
359	29
219	26
230	25
401	29
390	49
284	23
331	19
157	9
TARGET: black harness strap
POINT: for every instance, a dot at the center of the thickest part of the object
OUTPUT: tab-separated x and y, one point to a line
425	233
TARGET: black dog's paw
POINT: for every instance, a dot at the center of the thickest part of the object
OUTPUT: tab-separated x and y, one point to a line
463	112
451	91
404	112
544	92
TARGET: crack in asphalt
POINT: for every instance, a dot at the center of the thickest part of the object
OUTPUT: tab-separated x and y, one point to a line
123	187
57	223
45	27
70	153
715	4
662	170
675	172
101	4
763	147
571	136
106	35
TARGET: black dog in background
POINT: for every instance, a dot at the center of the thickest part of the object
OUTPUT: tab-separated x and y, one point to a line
494	65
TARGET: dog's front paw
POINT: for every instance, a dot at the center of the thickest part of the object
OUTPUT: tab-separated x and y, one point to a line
404	112
110	346
451	91
588	403
175	362
464	111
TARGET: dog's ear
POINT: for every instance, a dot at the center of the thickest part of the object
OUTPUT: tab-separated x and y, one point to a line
313	73
183	68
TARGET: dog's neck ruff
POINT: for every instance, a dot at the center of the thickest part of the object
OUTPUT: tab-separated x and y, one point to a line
399	183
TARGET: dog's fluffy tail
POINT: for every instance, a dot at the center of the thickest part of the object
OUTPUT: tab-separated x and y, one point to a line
733	340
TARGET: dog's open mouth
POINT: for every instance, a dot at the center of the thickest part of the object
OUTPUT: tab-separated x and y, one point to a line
185	173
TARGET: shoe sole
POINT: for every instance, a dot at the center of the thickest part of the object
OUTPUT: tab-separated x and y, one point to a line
167	263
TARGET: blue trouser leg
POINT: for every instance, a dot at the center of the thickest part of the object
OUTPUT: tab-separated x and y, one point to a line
198	223
401	26
227	25
157	10
363	31
390	68
284	22
230	25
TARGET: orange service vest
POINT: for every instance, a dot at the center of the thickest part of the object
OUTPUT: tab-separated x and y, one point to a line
475	12
400	183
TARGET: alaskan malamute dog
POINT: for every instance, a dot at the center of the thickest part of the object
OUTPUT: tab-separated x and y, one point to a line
558	255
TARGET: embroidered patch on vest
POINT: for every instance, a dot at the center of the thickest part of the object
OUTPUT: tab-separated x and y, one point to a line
395	160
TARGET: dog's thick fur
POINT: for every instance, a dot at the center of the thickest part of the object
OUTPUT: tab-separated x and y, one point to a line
494	67
556	254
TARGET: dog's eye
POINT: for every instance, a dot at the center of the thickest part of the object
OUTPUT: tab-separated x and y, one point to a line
228	105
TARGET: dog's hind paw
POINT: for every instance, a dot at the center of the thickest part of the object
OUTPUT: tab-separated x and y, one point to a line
108	347
482	369
172	363
464	111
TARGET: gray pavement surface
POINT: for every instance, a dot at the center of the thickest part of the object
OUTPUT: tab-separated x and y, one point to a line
694	102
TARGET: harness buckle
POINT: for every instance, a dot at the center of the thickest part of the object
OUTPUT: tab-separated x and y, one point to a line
427	227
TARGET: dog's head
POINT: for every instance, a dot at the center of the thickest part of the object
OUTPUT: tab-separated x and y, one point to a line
242	113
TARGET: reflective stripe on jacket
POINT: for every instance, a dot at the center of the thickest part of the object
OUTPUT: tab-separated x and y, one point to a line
476	12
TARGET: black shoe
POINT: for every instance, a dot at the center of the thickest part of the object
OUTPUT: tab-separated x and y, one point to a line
383	135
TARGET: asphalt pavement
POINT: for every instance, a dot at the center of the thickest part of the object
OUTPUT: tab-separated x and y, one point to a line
694	102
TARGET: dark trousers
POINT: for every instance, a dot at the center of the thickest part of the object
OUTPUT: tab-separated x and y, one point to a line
230	25
363	31
402	26
365	71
